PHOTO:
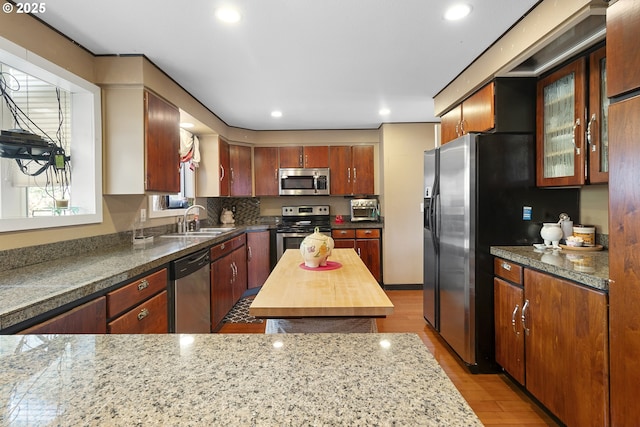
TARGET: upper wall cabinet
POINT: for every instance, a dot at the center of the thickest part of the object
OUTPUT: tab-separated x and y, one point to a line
352	170
503	105
225	169
572	126
266	170
560	140
143	139
310	156
623	33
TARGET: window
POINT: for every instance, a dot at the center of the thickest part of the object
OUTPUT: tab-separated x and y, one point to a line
50	149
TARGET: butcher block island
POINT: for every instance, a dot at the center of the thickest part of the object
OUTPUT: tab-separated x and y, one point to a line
344	293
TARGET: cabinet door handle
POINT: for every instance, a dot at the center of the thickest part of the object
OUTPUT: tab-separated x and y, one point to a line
355	174
144	284
232	175
143	313
573	136
506	266
275	174
524	317
233	274
458	129
462	127
300	161
593	119
221	173
348	175
513	319
249	255
306	160
359	254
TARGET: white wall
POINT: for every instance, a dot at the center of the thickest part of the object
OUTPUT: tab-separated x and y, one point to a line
402	147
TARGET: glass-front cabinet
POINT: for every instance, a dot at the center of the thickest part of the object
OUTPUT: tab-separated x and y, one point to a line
560	135
572	143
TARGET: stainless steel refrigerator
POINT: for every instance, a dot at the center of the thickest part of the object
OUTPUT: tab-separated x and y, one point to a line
479	191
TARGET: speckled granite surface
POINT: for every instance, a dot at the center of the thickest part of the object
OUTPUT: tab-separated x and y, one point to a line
226	380
31	290
588	268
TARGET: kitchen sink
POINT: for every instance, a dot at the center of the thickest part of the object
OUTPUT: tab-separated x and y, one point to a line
203	232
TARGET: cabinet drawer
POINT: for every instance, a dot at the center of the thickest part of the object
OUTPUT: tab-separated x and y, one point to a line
368	233
227	247
508	270
135	292
150	317
343	234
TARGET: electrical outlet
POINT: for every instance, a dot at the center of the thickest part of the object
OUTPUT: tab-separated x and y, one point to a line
143	215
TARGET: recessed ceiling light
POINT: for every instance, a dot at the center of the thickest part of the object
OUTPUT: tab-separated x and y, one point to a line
457	11
276	114
384	112
186	125
228	14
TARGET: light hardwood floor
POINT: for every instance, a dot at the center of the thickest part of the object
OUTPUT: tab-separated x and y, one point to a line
493	397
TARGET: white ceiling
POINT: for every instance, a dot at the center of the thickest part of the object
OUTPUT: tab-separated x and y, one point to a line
326	64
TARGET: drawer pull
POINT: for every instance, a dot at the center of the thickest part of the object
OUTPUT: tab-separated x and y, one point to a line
143	313
506	266
343	232
367	231
222	246
144	284
513	319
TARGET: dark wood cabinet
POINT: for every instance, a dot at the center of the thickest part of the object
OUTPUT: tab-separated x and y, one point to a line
598	117
308	156
552	337
258	256
140	307
149	317
623	33
228	276
162	144
560	144
566	341
367	244
624	257
508	302
88	318
503	105
224	160
240	170
352	169
265	161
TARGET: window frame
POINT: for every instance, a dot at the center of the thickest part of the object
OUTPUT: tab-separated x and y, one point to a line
86	179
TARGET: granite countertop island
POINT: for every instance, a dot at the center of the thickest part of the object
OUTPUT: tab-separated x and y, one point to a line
222	380
590	268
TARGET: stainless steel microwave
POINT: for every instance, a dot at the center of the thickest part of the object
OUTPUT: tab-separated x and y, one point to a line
304	181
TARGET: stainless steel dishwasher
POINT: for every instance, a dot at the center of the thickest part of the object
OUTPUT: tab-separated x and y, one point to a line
191	290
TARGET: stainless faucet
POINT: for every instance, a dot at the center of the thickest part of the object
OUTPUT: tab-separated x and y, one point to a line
186	213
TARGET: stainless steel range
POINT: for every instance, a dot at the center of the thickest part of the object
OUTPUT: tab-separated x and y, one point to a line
298	222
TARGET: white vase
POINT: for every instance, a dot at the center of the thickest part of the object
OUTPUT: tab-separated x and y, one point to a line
551	233
316	248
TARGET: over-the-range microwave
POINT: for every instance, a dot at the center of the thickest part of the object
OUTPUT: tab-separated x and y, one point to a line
304	181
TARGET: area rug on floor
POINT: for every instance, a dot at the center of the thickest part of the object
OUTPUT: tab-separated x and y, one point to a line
240	312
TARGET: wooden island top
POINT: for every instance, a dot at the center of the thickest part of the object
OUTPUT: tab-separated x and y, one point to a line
350	291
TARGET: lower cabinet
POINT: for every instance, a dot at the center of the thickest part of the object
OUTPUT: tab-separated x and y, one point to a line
366	242
258	258
88	318
149	317
562	328
140	307
228	276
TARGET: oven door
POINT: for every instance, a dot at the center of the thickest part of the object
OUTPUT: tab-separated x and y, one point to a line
286	240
